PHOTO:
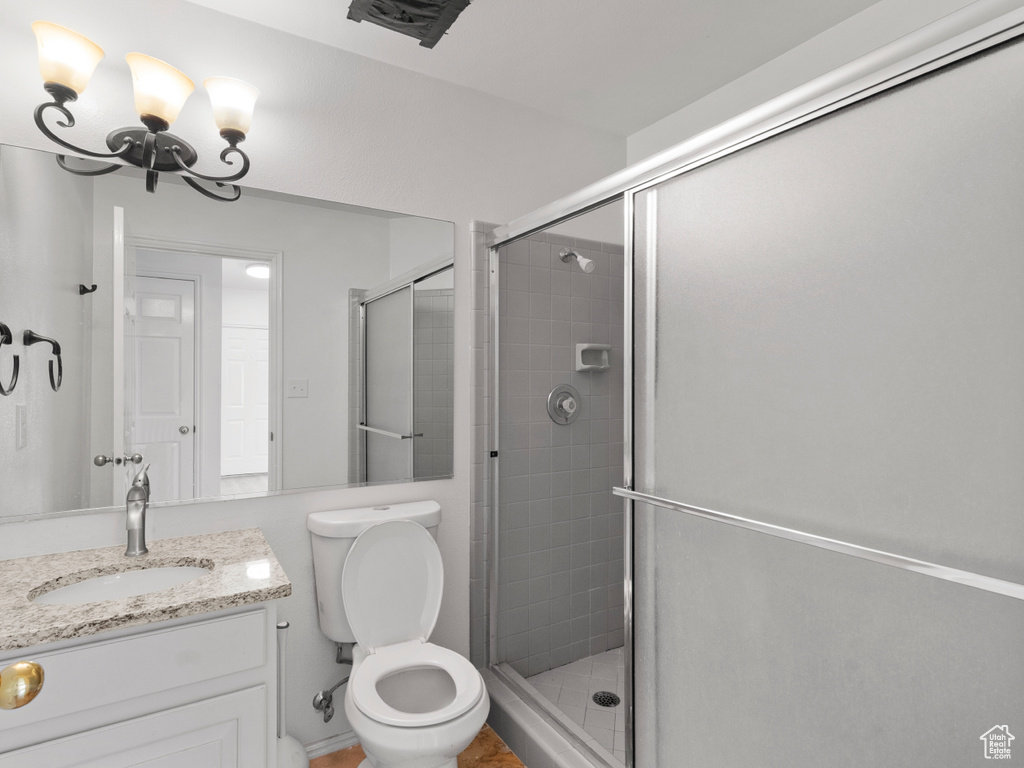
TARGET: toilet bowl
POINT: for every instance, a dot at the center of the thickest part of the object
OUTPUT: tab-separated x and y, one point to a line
411	703
421	740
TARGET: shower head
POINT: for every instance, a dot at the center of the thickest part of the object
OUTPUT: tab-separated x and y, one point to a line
587	265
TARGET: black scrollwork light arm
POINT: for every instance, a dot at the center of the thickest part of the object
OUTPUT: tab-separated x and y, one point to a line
176	154
62	161
61	96
220	181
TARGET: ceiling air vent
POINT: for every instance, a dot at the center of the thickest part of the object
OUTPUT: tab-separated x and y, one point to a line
426	20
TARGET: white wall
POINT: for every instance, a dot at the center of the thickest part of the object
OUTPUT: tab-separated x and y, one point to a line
604	224
330	125
417	241
45	232
882	23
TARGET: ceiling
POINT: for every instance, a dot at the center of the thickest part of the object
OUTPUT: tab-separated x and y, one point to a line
614	65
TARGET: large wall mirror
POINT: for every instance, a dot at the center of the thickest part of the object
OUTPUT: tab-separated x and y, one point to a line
271	344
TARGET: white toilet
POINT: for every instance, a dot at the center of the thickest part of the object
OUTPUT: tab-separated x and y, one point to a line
379	580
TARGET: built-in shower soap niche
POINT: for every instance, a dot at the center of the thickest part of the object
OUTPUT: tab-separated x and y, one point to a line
593	357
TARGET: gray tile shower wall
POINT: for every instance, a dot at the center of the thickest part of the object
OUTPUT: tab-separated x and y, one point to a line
560	530
433	355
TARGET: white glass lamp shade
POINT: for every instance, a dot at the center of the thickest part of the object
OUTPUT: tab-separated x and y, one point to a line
65	57
232	101
160	89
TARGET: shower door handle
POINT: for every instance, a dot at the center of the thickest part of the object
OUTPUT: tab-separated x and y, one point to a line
388	434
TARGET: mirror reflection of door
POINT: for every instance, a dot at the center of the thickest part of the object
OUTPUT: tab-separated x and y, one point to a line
198	370
162	421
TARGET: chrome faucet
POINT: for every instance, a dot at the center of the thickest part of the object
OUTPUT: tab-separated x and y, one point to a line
136	505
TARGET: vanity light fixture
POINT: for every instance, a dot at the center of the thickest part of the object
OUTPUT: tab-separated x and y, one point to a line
261	271
67	61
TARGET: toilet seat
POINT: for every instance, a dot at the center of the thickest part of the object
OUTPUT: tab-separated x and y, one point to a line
402	656
391	585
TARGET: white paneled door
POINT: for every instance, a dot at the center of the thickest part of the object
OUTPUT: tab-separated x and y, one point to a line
163	413
245	401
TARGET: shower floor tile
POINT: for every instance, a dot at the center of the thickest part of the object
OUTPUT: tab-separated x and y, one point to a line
572	687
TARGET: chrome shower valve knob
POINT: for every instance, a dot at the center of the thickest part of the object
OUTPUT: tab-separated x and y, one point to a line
564	404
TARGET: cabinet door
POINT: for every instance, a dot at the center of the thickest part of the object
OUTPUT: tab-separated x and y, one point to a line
223	732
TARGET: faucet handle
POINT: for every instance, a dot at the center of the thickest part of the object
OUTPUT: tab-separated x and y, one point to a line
142	480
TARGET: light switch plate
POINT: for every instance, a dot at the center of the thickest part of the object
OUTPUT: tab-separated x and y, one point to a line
298	388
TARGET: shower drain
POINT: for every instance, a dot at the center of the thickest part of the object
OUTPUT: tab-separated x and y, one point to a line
606	699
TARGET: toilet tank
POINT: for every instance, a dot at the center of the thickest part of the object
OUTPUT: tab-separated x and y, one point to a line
332	533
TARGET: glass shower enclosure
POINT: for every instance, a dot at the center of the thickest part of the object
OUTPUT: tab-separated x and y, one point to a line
823	430
559	320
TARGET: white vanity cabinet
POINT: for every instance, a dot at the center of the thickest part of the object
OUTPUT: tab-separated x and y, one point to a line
190	693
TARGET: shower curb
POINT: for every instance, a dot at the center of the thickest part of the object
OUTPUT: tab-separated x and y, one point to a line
533	736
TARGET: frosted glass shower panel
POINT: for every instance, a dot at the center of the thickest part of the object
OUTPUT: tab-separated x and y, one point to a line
829	330
389	386
837	316
756	651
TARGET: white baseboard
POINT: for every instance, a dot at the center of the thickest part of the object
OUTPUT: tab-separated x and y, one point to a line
331	744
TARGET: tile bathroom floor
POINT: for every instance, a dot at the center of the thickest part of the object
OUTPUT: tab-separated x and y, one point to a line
572	687
486	751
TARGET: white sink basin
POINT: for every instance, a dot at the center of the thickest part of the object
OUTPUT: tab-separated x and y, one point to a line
114	586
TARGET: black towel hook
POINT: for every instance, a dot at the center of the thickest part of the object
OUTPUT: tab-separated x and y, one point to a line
6	337
30	338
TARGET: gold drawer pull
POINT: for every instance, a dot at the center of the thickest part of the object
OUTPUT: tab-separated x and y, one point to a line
19	684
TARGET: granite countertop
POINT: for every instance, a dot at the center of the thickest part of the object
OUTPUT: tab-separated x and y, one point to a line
243	571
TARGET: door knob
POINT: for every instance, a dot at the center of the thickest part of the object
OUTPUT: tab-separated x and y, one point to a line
183	430
102	461
135	458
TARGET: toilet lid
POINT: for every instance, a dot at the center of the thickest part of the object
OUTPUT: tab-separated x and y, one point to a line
392	584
